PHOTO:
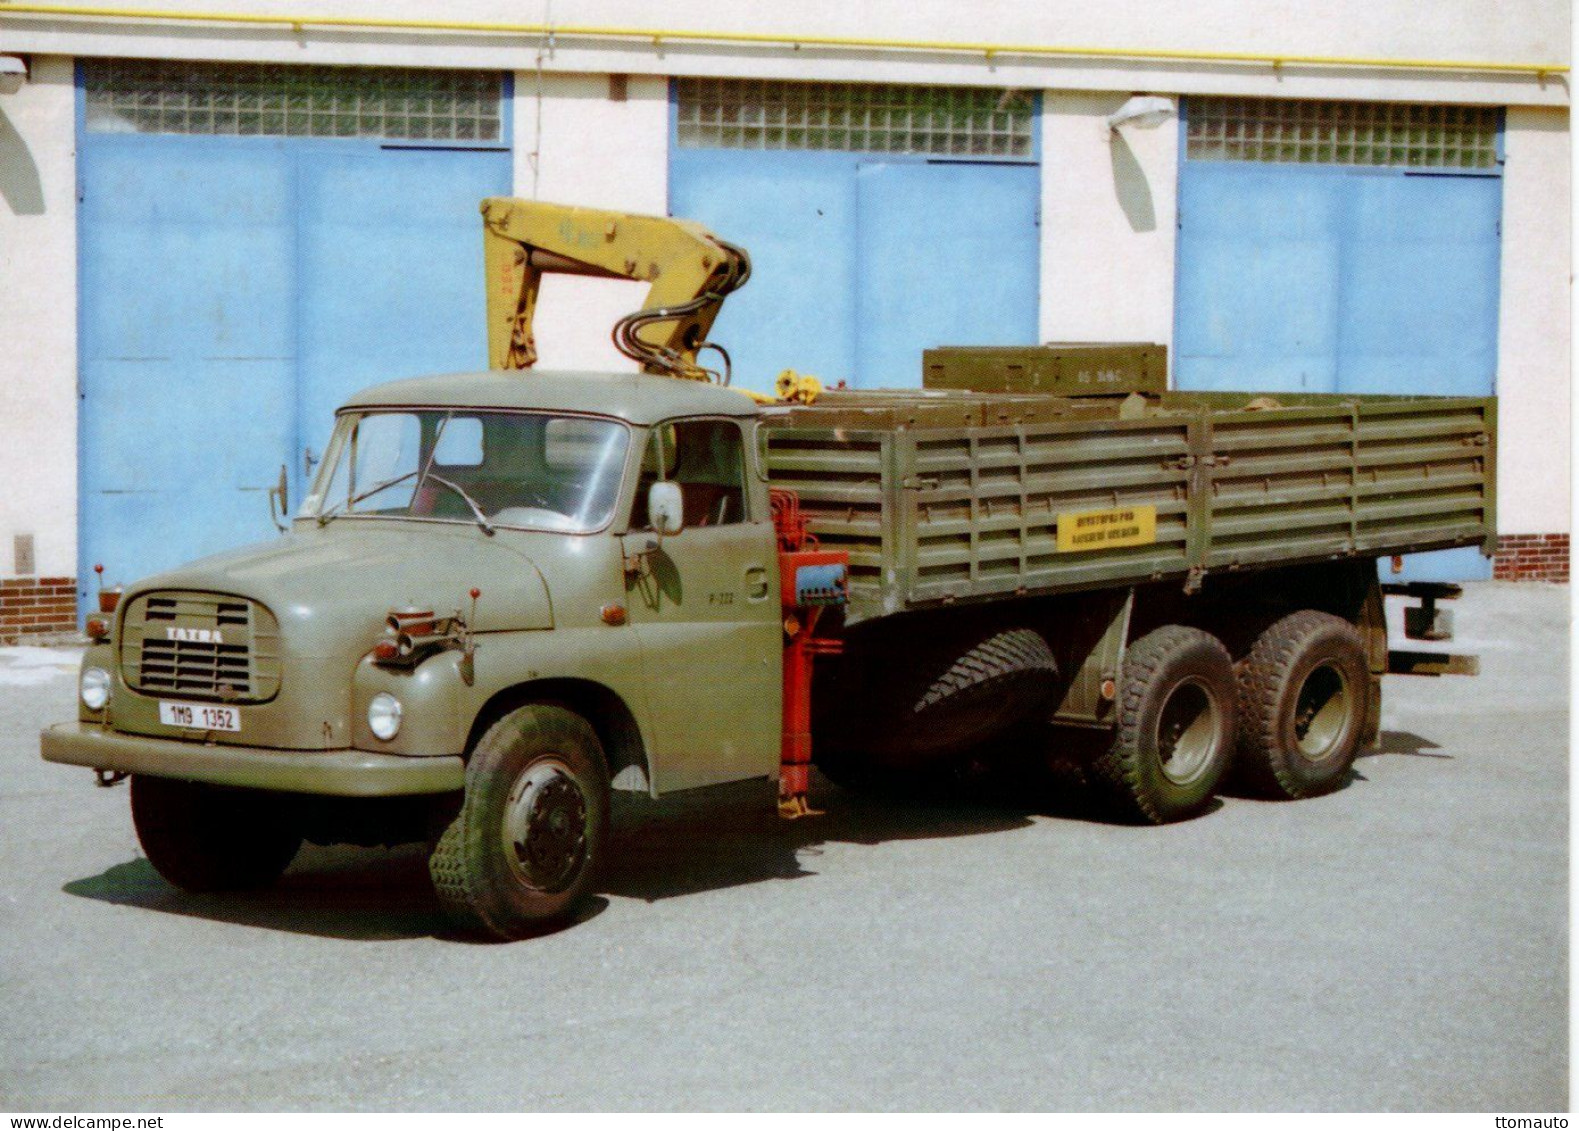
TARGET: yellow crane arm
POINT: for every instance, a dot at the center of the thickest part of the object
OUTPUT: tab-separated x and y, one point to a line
690	269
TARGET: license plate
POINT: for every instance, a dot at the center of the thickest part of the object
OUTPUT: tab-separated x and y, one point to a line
198	716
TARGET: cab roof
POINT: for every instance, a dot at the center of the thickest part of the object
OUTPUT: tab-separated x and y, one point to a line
639	398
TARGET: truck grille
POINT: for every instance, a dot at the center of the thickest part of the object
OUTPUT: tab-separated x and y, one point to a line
205	646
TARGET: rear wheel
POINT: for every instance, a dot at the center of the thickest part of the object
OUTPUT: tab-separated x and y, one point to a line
211	838
528	840
1175	736
1303	694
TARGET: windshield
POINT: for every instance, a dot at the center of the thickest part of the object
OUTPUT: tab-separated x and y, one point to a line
515	469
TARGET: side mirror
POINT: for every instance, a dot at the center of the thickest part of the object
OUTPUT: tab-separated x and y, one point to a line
666	507
281	492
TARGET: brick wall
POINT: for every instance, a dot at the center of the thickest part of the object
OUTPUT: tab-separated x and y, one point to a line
1531	557
37	606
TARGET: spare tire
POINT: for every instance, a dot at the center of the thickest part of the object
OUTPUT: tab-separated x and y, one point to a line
920	708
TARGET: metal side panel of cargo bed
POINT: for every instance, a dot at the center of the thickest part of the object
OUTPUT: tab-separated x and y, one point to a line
961	498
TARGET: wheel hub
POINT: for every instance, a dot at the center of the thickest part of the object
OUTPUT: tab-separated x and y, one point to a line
1321	712
1186	732
545	828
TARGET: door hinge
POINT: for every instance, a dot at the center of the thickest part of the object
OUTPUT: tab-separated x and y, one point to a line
1184	463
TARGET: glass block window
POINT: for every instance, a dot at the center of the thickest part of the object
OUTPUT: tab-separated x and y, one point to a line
928	120
173	97
1342	133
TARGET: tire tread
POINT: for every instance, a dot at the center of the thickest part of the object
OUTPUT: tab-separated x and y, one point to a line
1008	653
1122	771
1261	766
459	863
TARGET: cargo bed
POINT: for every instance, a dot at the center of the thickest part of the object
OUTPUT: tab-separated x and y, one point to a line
951	496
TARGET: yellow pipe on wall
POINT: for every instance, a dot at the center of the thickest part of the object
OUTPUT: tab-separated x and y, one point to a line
660	35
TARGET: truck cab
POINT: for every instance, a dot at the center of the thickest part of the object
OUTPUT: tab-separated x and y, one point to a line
596	548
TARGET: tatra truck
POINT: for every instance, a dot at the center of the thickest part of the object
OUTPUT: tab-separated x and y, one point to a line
509	593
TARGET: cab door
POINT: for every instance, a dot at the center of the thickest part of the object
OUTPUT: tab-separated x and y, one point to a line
705	608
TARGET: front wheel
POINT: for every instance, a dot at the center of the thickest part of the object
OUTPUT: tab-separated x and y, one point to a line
1175	735
212	838
527	842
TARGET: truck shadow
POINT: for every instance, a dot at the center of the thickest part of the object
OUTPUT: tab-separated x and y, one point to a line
722	838
1407	743
691	843
366	894
706	840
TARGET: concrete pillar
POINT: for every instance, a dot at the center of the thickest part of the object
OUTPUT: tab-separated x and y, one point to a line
38	362
1109	222
601	141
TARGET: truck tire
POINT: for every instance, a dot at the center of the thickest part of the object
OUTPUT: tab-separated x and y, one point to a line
209	838
1175	735
942	698
529	838
1303	694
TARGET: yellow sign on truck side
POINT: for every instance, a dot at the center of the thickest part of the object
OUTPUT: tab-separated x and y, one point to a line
1099	530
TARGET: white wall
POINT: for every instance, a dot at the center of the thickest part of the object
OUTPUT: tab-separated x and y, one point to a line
575	144
1535	363
1506	31
1108	222
38	318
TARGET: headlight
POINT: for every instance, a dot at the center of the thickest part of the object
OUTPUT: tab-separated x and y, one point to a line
95	688
383	715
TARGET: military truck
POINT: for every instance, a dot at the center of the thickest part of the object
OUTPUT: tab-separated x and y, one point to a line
510	593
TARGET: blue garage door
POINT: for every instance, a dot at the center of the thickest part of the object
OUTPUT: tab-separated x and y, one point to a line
257	243
881	221
1341	248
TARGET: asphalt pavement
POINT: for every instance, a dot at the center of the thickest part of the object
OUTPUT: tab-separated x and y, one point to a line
1398	945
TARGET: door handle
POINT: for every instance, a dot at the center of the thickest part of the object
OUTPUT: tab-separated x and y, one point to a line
756	583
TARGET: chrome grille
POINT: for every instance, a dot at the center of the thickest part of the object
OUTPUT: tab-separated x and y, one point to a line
203	646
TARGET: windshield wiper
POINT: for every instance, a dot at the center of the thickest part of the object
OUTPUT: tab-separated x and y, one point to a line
424	473
482	519
325	516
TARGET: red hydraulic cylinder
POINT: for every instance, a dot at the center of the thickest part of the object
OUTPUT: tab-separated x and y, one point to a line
795	753
811	579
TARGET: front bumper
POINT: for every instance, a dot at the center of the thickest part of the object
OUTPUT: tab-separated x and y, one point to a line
340	773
